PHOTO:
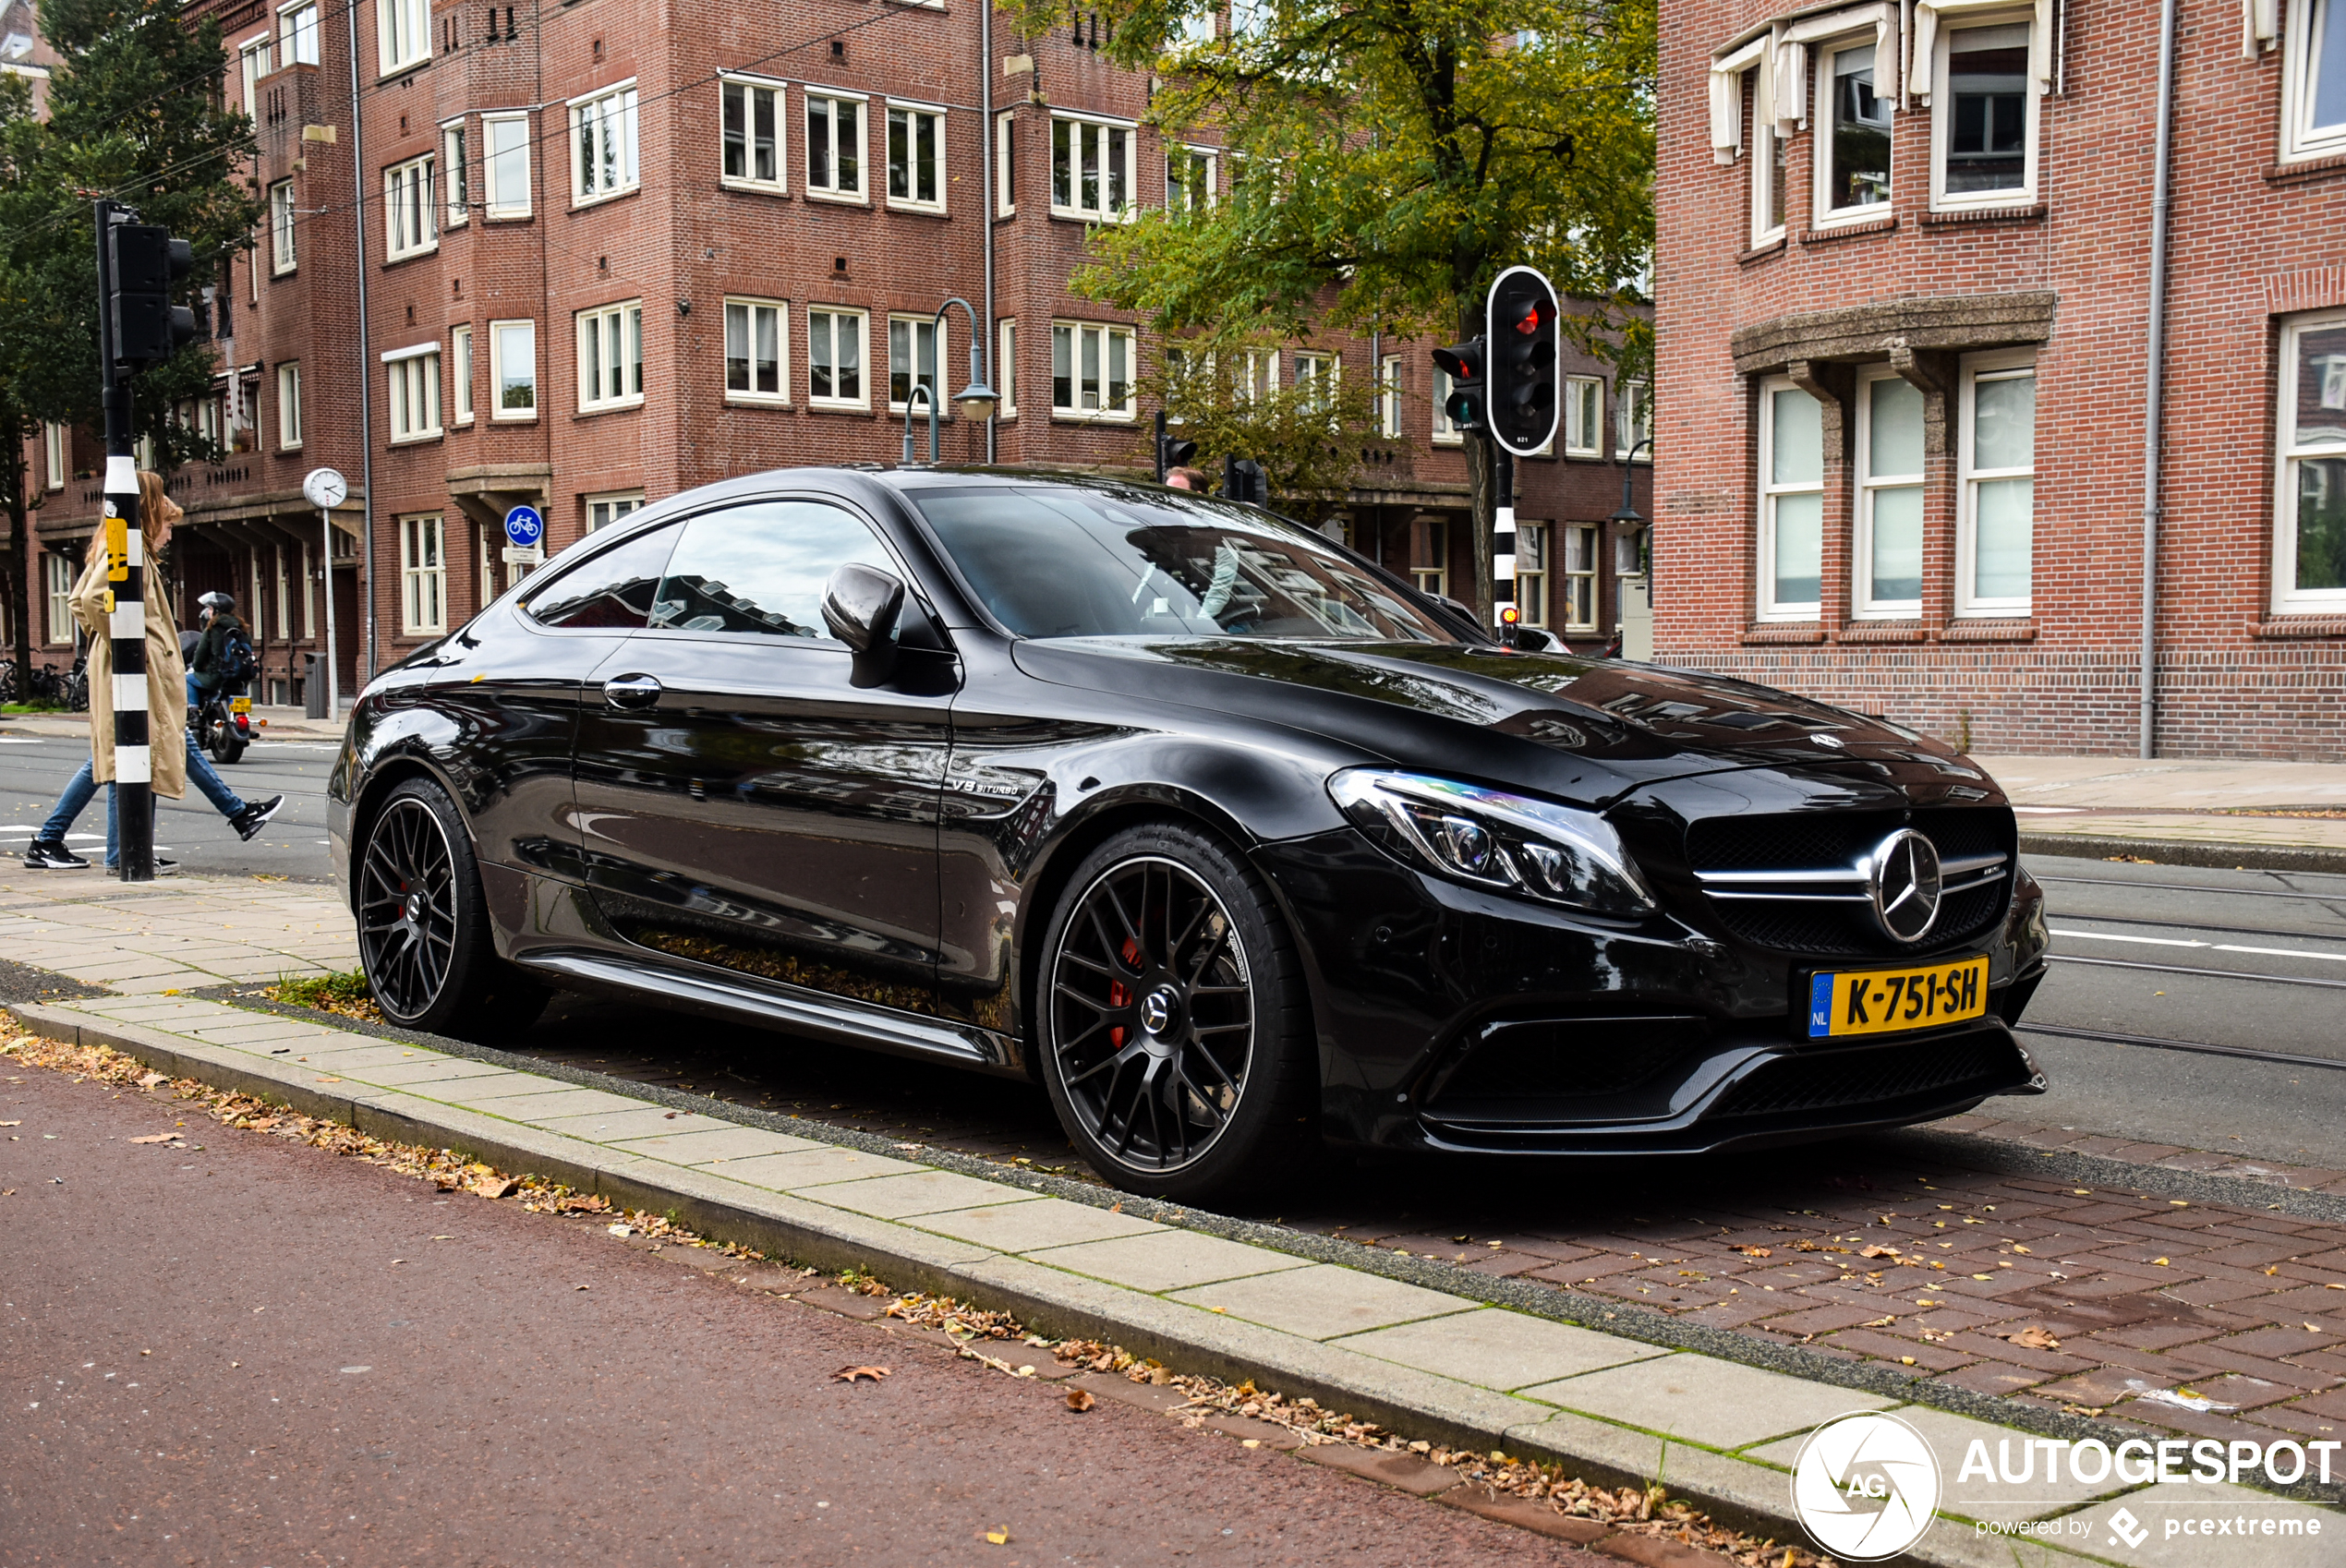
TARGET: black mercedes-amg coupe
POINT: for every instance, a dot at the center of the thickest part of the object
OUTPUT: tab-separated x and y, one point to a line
1227	835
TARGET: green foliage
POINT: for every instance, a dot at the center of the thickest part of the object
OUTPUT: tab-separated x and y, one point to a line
1308	439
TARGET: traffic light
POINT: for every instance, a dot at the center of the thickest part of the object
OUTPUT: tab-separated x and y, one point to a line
1464	364
1173	452
1522	388
146	262
1245	481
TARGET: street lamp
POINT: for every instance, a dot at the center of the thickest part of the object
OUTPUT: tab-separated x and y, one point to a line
1629	517
976	401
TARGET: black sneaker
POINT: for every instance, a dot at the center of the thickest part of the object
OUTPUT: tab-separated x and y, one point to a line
48	854
255	817
162	868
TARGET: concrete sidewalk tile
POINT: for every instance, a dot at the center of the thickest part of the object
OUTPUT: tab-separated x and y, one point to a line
427	1068
618	1126
1169	1260
560	1101
368	1058
1598	1450
2200	1507
1032	1226
1496	1348
248	1032
1951	1437
812	1167
920	1192
478	1092
1324	1302
1702	1400
709	1147
156	985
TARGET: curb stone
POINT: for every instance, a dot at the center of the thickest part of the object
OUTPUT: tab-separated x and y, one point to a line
2186	851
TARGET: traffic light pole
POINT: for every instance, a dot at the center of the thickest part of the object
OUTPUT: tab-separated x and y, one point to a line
134	801
1502	608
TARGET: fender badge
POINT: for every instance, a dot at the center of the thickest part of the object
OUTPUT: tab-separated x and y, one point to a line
1832	741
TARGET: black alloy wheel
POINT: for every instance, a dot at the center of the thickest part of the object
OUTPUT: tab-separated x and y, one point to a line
423	924
1175	1043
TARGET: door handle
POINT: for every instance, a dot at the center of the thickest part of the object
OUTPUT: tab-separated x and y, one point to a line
631	690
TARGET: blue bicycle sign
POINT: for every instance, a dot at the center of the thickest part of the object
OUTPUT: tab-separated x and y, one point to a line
525	528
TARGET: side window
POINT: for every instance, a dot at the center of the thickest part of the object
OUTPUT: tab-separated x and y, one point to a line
614	589
761	569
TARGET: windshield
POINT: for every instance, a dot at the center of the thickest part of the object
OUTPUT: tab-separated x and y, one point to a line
1068	562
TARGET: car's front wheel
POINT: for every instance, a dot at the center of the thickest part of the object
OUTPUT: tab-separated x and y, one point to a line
423	924
1174	1030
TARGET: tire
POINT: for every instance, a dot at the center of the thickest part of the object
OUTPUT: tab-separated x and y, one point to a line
424	937
1173	1029
226	748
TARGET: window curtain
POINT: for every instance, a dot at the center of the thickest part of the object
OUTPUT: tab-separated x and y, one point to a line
1726	96
1928	14
2259	27
1780	55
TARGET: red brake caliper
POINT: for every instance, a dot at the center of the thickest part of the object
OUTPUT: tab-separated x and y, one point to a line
1119	993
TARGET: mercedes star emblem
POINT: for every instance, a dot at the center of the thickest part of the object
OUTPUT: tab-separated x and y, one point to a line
1905	884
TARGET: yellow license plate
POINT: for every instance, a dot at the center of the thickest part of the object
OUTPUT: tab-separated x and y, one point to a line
239	704
1878	1001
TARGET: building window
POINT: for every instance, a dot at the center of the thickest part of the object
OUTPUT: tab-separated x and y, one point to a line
752	134
414	393
282	223
1792	501
1429	555
1578	605
289	406
460	360
835	148
912	353
1531	573
604	510
403	32
1984	119
2309	566
252	57
408	218
1853	149
755	331
1388	397
835	358
603	144
423	576
1189	178
284	594
1996	527
1767	176
1258	373
916	158
513	369
53	455
1091	371
309	600
1633	420
298	25
1583	415
611	356
1445	429
1888	554
1005	164
456	157
58	575
1315	376
505	165
2313	99
1090	169
1006	368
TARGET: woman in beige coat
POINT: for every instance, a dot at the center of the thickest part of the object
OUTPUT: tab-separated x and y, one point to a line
169	743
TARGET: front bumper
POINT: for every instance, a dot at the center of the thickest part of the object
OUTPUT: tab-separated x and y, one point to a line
1452	1018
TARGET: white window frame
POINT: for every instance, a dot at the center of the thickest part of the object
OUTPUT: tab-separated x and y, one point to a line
1105	334
622	322
1005	164
2301	50
289	406
1968	479
828	319
748	309
614	505
1005	367
1208	177
500	332
1442	432
1770	607
411	214
828	102
254	57
1582	426
460	371
58	575
284	595
1821	213
910	112
1258	373
403	35
308	591
1632	419
1388	397
1942	114
284	226
297	33
2287	597
915	326
1863	603
412	388
1531	561
1316	376
496	193
423	575
603	132
749	88
1575	579
1435	577
455	161
1110	134
53	455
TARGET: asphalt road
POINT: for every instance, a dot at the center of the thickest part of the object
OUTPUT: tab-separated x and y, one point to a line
251	1352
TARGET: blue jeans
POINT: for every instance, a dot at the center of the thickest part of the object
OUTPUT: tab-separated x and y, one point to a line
82	786
196	689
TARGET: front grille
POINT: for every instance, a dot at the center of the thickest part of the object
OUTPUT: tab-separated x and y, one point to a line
1940	1071
1789	883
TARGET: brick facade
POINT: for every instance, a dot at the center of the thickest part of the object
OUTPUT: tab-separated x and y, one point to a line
2058	273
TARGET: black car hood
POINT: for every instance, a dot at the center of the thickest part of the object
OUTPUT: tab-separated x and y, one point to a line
1586	729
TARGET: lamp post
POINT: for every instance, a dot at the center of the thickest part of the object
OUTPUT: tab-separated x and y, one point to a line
976	401
1628	516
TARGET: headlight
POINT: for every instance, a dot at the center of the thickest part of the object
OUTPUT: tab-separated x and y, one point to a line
1490	839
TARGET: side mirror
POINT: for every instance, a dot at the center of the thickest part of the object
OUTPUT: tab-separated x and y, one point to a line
861	606
1529	639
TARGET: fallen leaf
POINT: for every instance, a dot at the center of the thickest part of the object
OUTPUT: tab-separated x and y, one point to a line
1000	1536
1079	1400
2315	1328
1757	1251
849	1374
2022	1251
158	1138
330	1080
1879	1251
1906	1360
11	1124
1983	1276
1250	1442
1880	1322
1924	1301
2274	1269
2161	1262
2334	1286
2034	1338
621	1230
493	1186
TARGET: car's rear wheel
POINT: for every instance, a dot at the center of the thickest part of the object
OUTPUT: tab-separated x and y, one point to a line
423	925
1174	1028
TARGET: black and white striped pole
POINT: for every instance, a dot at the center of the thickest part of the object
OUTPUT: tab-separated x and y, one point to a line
1505	614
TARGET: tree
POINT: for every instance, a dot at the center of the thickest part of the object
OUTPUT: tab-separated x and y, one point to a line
1308	437
134	113
1389	158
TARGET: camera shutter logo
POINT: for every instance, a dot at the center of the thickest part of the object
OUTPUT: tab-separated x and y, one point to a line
1866	1486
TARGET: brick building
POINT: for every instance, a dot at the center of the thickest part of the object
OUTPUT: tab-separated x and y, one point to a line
1905	266
612	252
